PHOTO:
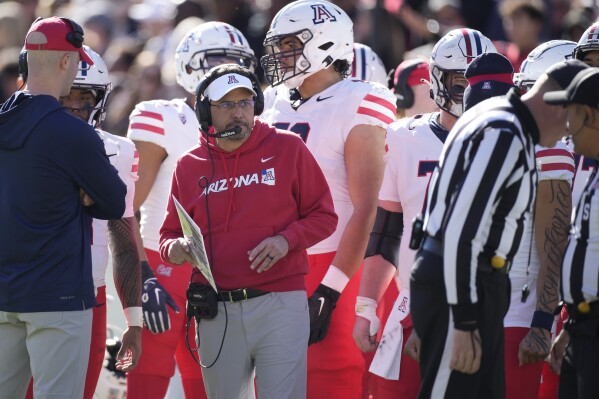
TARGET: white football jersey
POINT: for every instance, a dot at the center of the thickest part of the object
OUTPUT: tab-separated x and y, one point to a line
555	163
123	156
414	146
324	122
173	126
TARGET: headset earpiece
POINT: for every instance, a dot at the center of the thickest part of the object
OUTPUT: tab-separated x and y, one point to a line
405	99
75	36
23	70
202	105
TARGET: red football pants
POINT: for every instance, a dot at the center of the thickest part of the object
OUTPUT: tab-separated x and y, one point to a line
521	382
335	364
407	386
151	377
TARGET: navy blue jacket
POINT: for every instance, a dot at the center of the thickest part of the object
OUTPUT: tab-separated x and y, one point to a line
46	157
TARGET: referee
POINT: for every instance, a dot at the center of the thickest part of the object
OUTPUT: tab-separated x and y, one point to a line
477	201
580	272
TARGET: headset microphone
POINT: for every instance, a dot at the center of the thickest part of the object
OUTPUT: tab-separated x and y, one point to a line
225	133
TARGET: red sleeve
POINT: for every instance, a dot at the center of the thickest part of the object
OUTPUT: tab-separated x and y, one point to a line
317	217
171	227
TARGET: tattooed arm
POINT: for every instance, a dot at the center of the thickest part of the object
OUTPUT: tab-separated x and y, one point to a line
551	226
127	280
125	261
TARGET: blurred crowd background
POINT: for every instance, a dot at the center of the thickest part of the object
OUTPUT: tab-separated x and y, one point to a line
137	38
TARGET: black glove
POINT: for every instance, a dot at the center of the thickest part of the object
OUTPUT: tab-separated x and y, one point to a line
154	300
321	305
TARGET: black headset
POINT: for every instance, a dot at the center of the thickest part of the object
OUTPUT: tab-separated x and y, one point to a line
403	92
23	70
203	112
75	37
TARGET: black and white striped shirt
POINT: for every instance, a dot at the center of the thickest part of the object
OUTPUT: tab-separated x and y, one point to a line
480	193
580	271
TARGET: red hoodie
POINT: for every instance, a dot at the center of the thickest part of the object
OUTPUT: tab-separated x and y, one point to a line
270	185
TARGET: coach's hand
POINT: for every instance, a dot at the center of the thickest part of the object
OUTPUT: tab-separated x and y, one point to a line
321	305
179	252
466	351
535	346
154	302
268	252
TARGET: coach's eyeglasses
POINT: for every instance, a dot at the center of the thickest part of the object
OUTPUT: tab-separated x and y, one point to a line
230	105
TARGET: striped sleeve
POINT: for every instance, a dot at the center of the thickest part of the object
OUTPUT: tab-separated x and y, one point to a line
146	123
377	108
555	163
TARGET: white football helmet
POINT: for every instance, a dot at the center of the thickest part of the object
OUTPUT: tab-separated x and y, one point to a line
112	383
368	66
326	33
588	41
95	78
540	59
452	54
206	46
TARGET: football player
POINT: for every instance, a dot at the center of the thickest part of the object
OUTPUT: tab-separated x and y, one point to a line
162	131
587	49
343	122
367	65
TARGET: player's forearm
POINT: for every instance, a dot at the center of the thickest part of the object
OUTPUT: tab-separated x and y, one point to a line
376	276
552	224
352	246
138	240
125	261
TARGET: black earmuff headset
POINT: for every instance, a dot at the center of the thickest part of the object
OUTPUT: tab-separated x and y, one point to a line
403	92
23	71
75	37
203	112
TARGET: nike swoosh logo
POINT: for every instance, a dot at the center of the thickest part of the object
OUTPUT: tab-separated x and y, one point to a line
321	299
322	98
157	293
267	159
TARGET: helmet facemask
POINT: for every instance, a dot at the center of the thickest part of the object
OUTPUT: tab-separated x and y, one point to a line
446	93
207	59
94	78
286	61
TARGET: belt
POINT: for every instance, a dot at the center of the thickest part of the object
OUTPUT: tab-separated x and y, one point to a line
435	246
241	294
432	245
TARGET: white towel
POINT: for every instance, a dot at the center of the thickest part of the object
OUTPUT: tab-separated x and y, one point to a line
387	358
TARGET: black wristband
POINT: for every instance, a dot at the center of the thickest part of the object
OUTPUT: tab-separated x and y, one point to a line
146	270
542	320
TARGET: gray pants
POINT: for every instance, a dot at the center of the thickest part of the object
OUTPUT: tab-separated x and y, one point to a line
268	336
53	347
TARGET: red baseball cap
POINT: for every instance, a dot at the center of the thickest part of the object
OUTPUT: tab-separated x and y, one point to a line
56	34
